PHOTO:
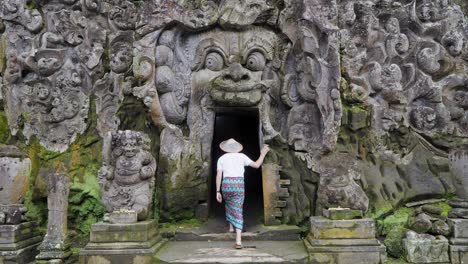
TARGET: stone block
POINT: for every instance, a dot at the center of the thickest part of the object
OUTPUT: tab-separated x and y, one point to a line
322	228
122	243
459	227
358	118
344	241
458	254
139	232
423	248
342	213
123	217
18	243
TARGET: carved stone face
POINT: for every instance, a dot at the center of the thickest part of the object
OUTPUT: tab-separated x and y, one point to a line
47	66
130	147
121	58
423	118
393	26
461	99
231	65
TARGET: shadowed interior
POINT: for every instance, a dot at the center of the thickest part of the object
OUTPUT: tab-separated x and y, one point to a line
243	127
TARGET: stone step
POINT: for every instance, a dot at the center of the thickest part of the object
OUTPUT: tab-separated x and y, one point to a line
273	233
223	252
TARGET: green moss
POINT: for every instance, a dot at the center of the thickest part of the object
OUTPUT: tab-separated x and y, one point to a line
393	227
185	223
4	130
31	4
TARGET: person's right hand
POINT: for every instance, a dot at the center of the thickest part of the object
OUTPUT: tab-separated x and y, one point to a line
219	197
265	150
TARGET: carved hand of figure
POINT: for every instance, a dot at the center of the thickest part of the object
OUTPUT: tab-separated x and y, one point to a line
146	172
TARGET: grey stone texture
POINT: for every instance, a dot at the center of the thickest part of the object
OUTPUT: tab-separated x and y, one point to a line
122	243
364	103
54	247
19	237
127	175
344	241
423	248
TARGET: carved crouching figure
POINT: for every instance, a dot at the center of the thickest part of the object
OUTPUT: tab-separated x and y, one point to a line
127	175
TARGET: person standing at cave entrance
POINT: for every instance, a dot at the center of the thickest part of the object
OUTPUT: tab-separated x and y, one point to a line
230	169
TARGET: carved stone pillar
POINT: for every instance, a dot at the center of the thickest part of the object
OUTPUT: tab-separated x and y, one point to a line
458	221
54	248
18	238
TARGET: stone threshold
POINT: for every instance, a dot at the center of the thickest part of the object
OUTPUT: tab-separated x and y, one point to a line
262	233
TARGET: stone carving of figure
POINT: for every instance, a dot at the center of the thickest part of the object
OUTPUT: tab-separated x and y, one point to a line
127	177
397	43
338	186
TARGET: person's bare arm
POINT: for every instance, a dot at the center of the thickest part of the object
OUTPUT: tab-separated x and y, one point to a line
256	164
219	197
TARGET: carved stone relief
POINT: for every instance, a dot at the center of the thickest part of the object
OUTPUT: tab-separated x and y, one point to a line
127	176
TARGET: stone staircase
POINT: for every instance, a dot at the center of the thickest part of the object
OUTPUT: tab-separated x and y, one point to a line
275	244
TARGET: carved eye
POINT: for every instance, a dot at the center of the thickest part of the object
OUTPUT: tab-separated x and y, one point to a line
214	61
256	61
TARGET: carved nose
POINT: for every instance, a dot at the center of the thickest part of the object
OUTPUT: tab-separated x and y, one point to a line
236	73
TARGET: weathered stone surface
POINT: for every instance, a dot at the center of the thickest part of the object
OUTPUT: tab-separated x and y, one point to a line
341	213
459	227
458	159
344	241
122	242
322	228
123	217
127	175
54	246
18	243
423	248
421	223
338	186
15	170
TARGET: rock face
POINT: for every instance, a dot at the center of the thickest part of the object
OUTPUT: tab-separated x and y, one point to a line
364	103
127	175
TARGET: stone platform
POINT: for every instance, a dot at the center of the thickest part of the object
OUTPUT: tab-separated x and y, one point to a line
18	243
257	233
223	252
122	243
344	241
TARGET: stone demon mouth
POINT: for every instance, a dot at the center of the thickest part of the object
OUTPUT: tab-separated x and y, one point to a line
242	93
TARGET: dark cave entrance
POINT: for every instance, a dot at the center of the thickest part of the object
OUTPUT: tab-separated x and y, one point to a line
243	126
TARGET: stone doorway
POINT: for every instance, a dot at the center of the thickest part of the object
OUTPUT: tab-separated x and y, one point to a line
244	127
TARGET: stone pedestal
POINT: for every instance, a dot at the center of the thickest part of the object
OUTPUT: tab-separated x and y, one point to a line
459	241
122	243
344	241
18	243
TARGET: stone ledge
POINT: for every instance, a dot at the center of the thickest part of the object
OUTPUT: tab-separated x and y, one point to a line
343	242
107	227
322	228
20	244
23	255
123	245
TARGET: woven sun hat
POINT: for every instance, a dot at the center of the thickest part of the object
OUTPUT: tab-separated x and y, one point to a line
231	146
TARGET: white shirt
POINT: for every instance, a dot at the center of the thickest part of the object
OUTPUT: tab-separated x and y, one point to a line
232	164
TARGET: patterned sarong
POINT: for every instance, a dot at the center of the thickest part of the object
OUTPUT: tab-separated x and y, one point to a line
233	195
